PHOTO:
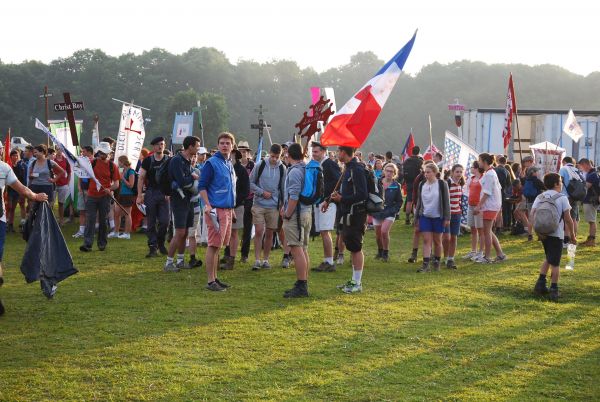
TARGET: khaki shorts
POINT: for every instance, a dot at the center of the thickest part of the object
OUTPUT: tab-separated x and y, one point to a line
239	218
63	193
193	230
265	216
297	236
590	212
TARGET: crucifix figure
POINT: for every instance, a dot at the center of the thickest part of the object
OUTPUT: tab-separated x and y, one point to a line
70	107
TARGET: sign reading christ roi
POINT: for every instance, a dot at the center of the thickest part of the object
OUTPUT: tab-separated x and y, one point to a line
66	107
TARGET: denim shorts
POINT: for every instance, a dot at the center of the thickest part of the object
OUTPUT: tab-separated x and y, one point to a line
454	227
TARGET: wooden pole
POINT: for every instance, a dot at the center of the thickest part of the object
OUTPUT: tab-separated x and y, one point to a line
519	137
46	110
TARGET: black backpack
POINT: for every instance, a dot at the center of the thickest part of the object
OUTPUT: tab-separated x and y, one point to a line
576	188
163	177
375	202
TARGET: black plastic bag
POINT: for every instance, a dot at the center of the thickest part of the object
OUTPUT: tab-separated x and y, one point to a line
46	257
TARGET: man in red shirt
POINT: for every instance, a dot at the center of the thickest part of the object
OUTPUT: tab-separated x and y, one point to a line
62	184
98	202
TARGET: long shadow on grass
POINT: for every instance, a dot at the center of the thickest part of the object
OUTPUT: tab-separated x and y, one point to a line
351	358
432	371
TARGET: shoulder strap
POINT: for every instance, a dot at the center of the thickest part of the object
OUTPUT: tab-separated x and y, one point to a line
50	171
261	167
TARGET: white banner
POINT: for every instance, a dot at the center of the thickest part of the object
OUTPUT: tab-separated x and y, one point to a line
547	157
572	128
130	139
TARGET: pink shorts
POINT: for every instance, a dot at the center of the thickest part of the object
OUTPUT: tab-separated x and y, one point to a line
489	215
219	238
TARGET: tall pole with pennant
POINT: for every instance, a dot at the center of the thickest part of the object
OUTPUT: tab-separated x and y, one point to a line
260	127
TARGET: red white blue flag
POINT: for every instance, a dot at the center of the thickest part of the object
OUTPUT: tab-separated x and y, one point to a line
351	125
408	147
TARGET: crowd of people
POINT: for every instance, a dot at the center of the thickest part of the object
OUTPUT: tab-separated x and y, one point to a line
223	199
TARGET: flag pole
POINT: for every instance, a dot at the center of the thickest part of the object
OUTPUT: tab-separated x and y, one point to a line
430	133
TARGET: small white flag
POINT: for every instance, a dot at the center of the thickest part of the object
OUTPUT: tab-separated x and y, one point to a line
572	128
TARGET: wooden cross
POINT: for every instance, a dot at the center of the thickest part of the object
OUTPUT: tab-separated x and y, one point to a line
70	107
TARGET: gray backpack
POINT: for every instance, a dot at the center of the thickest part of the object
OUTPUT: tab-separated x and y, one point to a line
547	216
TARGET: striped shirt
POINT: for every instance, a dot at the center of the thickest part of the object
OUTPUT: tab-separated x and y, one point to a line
456	193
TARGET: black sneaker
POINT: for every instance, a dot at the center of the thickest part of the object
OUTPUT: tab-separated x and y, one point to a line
450	264
540	288
554	294
85	249
215	287
297	291
413	258
194	263
101	248
1	308
324	267
163	250
424	268
222	284
152	253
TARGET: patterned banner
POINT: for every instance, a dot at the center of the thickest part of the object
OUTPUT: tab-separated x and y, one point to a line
457	151
182	127
130	139
60	129
547	156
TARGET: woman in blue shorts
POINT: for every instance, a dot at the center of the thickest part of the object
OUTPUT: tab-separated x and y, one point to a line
433	212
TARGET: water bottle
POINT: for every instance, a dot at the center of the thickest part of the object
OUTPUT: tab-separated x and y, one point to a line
571	255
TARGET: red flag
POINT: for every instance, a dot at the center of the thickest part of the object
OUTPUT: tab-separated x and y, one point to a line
511	107
7	149
431	150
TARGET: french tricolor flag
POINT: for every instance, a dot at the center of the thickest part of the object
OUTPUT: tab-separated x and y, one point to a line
351	125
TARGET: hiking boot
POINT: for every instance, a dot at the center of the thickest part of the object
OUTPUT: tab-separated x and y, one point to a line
223	259
265	265
424	268
244	259
85	249
181	265
194	263
529	237
436	265
228	263
215	287
324	267
553	294
102	248
285	262
501	258
256	266
589	242
170	267
540	287
379	254
222	284
163	250
385	256
300	289
351	287
152	253
450	264
413	257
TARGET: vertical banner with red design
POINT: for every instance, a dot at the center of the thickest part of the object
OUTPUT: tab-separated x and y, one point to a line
130	139
511	108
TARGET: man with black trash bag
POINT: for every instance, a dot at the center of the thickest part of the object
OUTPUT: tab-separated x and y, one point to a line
46	257
8	178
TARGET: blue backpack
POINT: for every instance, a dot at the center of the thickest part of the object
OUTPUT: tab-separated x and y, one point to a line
312	191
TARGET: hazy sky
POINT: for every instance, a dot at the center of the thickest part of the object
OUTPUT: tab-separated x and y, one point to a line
321	34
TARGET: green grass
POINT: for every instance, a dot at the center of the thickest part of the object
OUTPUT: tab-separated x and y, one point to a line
122	329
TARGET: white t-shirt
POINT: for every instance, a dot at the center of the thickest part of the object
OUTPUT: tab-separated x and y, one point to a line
430	196
491	186
563	205
7	177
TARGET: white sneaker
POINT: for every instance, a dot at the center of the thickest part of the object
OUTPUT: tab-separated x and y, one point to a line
469	255
476	257
112	235
78	235
340	260
125	236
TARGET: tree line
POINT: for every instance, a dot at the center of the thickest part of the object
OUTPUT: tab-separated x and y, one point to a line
229	93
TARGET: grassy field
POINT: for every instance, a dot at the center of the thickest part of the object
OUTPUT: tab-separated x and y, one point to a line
122	329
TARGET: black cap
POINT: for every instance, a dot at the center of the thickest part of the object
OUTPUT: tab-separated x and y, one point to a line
318	144
156	140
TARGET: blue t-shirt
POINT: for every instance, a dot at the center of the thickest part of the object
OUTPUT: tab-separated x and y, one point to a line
124	189
591	197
